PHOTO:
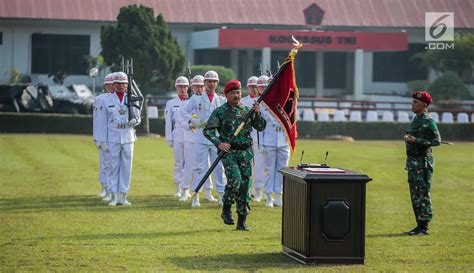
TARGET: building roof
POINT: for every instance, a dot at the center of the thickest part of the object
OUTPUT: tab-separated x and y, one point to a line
337	13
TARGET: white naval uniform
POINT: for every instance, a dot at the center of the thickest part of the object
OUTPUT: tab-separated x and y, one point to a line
99	129
204	149
258	173
189	153
121	138
277	153
174	133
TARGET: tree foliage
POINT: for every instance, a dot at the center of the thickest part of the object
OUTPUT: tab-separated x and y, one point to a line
449	86
459	60
158	59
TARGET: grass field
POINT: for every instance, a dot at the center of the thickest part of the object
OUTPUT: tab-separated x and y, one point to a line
52	220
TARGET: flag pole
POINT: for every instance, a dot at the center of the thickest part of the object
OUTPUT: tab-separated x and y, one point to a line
293	52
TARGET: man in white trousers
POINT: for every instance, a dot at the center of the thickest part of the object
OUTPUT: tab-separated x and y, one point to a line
175	130
197	87
121	138
202	107
276	152
258	175
100	138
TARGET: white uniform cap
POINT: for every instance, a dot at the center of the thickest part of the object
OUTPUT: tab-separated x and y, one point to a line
211	75
197	80
109	78
262	80
252	81
120	77
181	80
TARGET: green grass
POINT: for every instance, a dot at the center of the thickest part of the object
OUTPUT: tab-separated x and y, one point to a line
52	220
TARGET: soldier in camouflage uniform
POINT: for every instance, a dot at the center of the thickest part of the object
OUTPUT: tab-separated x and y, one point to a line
237	161
420	136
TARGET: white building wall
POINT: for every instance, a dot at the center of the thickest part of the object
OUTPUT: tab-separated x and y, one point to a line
15	53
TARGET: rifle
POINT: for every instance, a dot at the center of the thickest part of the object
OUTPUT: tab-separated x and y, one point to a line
188	75
133	92
243	122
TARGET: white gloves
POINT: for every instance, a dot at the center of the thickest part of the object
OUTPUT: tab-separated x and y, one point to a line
170	143
105	147
133	122
97	144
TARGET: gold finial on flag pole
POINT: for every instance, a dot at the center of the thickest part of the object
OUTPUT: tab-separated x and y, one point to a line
297	45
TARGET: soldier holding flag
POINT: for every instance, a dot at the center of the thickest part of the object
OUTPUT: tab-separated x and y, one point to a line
220	129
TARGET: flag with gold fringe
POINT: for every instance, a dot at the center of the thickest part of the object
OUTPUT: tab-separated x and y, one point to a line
281	99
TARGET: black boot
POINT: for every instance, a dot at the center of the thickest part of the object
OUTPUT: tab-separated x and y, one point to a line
421	229
227	214
413	231
424	227
241	225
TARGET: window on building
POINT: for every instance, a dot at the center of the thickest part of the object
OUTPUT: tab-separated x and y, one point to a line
305	68
398	66
60	53
1	38
335	64
212	57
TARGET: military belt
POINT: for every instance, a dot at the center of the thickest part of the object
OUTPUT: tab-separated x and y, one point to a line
420	153
240	146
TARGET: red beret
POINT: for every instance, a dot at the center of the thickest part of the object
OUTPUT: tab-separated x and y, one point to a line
423	96
232	85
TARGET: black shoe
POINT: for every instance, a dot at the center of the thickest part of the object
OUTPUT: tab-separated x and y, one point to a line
421	229
227	215
241	225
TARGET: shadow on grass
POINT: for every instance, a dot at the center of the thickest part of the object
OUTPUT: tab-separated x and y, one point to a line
251	261
388	235
110	237
88	202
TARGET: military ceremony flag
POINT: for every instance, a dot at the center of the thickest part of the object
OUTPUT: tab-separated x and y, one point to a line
282	97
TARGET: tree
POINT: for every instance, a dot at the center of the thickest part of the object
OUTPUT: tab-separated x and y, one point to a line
448	87
158	59
459	60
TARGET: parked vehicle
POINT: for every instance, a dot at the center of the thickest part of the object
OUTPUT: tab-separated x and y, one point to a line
75	99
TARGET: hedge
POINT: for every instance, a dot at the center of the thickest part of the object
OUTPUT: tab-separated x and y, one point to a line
82	124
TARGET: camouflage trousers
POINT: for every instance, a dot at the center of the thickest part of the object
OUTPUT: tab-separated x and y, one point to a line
238	169
420	184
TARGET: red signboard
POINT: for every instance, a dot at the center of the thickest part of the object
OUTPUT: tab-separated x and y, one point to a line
331	40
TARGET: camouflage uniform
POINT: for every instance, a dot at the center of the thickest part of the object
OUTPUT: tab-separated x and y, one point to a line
238	162
420	164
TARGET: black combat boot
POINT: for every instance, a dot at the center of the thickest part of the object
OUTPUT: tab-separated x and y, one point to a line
241	225
227	214
415	230
421	229
424	227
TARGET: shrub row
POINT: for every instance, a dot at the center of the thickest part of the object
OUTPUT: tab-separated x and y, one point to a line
82	124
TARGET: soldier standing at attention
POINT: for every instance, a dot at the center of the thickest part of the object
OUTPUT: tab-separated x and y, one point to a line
237	161
120	139
197	87
99	125
197	112
258	175
175	130
420	136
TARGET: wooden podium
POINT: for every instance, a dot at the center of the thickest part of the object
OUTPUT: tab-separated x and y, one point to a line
324	215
